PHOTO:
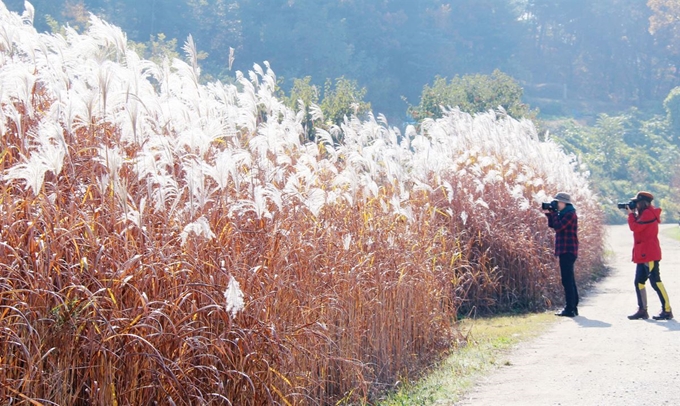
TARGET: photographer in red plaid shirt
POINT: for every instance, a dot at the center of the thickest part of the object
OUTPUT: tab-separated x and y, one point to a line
562	217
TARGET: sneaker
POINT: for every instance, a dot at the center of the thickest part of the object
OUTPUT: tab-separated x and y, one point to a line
566	313
641	314
664	315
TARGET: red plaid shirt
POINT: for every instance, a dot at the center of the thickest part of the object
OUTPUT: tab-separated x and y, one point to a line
566	232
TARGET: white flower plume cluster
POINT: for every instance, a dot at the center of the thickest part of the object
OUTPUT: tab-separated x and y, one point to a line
234	297
238	144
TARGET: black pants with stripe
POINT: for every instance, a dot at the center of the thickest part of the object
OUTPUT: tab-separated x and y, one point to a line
569	281
650	270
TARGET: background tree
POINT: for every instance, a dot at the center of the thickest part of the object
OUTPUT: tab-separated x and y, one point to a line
625	153
343	99
473	94
571	56
304	96
598	50
340	99
672	106
665	23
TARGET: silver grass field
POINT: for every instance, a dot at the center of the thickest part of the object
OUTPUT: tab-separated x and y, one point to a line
169	241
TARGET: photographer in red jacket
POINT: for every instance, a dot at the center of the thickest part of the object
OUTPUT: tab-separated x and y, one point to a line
644	223
562	217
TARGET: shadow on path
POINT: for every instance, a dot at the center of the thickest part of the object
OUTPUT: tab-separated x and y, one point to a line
588	323
671	325
608	354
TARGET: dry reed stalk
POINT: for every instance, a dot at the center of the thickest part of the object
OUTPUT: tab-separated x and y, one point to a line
113	270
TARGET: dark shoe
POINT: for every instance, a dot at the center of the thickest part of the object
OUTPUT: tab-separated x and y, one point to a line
576	311
641	314
566	313
664	315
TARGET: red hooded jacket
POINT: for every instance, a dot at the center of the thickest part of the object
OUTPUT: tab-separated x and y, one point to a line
645	230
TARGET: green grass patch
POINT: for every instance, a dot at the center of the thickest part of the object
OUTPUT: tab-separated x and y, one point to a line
672	232
486	348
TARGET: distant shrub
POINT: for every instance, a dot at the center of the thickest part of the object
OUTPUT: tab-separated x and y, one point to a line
624	154
339	100
473	94
672	106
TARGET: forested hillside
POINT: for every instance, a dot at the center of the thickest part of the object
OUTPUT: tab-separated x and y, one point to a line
609	53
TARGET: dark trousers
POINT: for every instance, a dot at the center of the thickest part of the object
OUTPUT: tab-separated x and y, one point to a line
650	270
569	280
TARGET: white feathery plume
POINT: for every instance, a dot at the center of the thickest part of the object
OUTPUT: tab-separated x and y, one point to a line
52	147
166	192
200	227
32	172
29	13
108	36
192	54
134	215
47	155
316	113
315	201
17	83
449	191
6	36
112	159
259	203
231	57
234	297
346	241
200	193
224	168
184	131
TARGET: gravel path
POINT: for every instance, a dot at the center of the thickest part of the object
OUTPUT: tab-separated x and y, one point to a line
601	357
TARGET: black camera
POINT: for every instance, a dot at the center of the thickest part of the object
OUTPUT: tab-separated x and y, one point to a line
552	206
630	205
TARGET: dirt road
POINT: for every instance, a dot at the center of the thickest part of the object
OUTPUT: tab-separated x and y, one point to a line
601	357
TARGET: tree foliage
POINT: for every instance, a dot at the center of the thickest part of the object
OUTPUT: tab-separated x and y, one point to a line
343	99
624	154
665	23
473	94
672	106
622	52
158	48
339	100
